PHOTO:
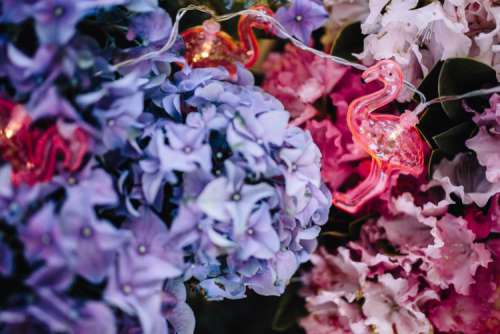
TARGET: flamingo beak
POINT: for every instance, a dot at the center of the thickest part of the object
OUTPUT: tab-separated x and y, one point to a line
370	75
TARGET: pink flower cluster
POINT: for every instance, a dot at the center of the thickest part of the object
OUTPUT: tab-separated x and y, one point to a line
409	273
418	37
430	262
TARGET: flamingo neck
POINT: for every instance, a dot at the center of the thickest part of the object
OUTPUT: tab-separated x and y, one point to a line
248	42
361	108
249	46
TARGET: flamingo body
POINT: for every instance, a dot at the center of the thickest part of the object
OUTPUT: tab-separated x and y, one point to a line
382	140
393	142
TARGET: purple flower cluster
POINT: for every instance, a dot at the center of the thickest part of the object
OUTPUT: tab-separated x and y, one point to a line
246	187
189	177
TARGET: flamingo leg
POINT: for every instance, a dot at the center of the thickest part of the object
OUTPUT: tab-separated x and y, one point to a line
373	185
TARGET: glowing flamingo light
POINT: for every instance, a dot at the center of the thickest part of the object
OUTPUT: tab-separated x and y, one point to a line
34	153
207	46
392	141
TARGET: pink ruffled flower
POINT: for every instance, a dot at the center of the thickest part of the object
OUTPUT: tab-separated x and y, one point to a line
490	118
407	232
476	313
298	78
454	257
483	224
417	37
331	289
486	142
330	318
389	304
459	313
339	153
486	146
336	276
464	177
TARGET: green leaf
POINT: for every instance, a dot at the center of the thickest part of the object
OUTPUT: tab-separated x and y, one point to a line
461	75
290	308
453	140
429	85
336	234
434	158
355	225
433	122
349	41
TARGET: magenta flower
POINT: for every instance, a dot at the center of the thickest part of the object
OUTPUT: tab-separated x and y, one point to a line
336	276
455	257
388	304
485	142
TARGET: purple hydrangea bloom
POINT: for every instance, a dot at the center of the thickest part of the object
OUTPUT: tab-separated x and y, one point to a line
6	260
52	105
135	293
174	308
89	245
260	205
56	20
150	26
16	201
60	315
55	278
155	173
230	199
73	238
117	106
260	240
41	235
186	150
150	245
27	73
301	159
91	181
302	18
16	11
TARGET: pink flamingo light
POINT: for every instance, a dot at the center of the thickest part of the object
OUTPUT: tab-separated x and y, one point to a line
392	141
207	46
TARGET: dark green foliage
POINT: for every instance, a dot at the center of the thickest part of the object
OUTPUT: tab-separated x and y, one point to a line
349	41
447	125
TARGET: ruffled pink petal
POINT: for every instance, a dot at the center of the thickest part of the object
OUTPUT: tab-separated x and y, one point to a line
454	256
464	177
487	150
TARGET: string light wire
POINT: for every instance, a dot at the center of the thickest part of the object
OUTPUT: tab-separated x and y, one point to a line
283	33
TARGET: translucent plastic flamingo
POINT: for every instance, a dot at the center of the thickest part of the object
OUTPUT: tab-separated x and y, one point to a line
392	141
207	46
33	153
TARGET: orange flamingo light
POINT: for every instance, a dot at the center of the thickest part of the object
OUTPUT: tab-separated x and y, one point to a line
207	46
393	142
